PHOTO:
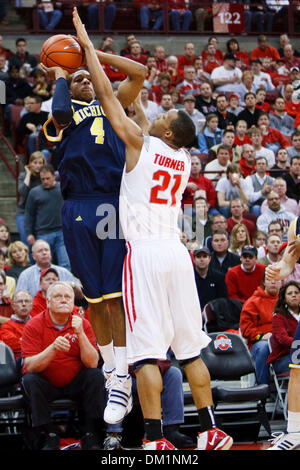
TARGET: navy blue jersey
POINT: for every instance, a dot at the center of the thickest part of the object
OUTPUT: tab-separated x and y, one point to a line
91	155
297	227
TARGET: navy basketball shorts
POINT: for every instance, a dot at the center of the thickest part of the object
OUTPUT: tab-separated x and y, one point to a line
95	245
295	350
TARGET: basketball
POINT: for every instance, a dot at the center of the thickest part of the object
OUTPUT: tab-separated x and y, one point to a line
62	50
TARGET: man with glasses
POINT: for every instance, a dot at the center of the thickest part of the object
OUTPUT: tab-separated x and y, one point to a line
60	360
11	331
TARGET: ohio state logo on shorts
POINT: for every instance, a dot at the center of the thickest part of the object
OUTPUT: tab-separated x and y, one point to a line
222	342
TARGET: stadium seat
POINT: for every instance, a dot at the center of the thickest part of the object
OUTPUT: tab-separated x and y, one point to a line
228	359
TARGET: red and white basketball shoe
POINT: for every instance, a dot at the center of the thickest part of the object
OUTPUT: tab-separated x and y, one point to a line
214	439
159	444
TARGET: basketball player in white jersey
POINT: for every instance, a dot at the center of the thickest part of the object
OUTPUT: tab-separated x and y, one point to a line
159	291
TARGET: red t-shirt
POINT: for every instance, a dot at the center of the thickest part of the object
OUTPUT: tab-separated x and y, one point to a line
40	332
202	183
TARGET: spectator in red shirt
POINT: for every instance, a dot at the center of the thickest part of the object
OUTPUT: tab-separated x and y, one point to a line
242	280
247	160
113	74
261	102
289	59
233	47
292	107
5	302
198	182
136	53
11	331
219	54
172	69
47	278
180	15
187	58
256	324
3	50
211	62
164	87
264	50
60	360
189	86
272	138
160	58
237	209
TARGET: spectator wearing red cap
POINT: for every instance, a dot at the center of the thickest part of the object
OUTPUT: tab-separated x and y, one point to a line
242	280
47	278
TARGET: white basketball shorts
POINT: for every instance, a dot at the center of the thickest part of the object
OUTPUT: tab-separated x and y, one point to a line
161	302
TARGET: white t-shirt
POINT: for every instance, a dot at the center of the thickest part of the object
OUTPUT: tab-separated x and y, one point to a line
214	165
225	186
151	111
221	72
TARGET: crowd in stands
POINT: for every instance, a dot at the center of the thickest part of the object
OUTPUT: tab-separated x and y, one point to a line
243	192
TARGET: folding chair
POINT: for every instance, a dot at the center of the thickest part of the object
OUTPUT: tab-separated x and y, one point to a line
281	384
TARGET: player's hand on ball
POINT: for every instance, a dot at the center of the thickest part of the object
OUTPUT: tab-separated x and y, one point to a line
54	72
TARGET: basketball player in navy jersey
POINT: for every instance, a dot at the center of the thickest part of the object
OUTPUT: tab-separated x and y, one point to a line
280	270
160	294
91	160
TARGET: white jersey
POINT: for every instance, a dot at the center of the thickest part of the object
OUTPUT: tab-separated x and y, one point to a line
150	194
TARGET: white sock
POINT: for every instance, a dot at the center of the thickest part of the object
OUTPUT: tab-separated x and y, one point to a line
121	360
293	421
108	356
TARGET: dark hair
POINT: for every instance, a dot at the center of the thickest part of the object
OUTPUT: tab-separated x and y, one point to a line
20	40
295	157
280	306
220	231
221	95
223	147
232	41
183	129
47	168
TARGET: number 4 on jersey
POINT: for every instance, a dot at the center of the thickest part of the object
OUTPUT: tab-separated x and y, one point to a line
166	181
97	130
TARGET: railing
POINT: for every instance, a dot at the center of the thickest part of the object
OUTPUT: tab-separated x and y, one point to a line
14	172
221	18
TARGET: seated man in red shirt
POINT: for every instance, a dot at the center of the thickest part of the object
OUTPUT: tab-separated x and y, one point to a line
60	360
198	182
242	280
11	331
264	50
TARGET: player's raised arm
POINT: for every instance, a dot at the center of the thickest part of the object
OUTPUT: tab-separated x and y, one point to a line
136	73
124	127
286	265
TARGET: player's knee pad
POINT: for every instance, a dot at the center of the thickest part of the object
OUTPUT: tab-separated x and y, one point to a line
185	362
144	362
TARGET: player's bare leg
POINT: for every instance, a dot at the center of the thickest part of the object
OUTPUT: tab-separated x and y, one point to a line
149	387
199	382
209	437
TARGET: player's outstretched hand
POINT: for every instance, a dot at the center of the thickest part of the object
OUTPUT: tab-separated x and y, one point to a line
54	72
82	35
272	272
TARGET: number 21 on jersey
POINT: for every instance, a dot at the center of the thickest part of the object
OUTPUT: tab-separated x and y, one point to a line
167	188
